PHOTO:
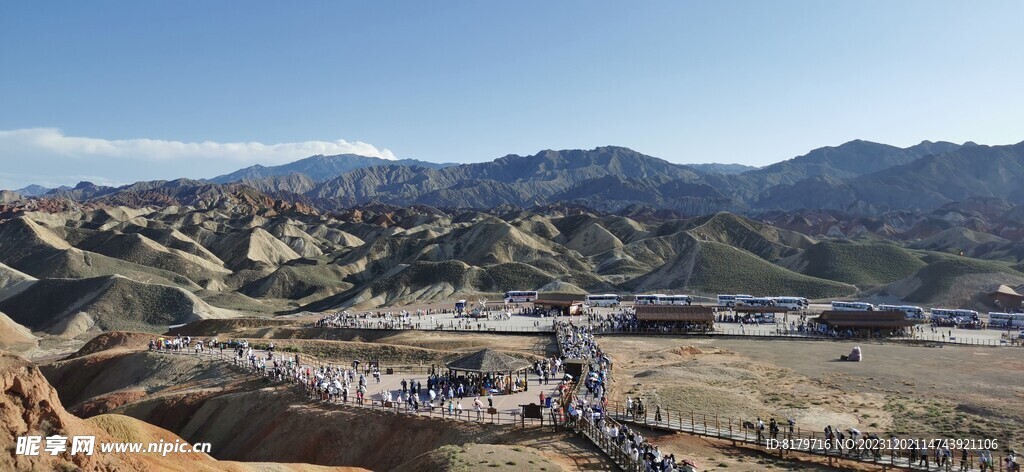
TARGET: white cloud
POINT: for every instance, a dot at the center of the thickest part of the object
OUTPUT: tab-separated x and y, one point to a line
53	142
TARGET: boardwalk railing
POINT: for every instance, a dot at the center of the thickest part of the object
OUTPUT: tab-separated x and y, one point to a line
808	442
590	429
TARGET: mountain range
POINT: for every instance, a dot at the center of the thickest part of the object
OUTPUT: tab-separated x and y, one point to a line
319	167
858	177
935	224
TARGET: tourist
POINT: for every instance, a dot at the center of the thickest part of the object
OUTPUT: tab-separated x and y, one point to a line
985	460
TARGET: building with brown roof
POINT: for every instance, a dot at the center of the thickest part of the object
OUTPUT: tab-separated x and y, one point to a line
566	304
675	317
865	320
1005	298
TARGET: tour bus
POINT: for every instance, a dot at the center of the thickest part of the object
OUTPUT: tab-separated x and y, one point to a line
791	303
730	300
1005	320
651	299
950	317
947	313
912	312
852	306
460	306
674	300
764	317
607	299
520	296
755	301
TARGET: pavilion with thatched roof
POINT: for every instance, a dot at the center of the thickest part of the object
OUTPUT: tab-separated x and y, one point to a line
491	364
487	361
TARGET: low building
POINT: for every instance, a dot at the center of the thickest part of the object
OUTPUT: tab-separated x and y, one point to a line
1005	298
670	318
565	304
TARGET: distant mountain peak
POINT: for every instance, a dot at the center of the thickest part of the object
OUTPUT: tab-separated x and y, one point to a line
32	190
720	168
319	167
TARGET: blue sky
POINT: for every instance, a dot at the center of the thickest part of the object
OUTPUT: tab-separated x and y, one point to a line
122	91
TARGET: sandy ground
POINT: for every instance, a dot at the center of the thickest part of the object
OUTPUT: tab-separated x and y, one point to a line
949	392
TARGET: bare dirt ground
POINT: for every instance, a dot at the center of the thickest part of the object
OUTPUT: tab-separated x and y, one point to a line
949	392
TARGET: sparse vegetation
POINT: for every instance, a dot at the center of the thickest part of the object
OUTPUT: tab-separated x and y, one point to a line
863	265
726	269
938	276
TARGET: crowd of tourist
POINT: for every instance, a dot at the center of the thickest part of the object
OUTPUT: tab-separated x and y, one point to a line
418	319
444	392
589	406
621	319
471	384
624	320
744	318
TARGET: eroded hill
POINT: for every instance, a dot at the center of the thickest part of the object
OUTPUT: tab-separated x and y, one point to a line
77	273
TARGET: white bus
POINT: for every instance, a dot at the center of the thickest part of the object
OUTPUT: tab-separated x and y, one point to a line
730	300
520	296
755	301
1005	320
674	300
651	299
948	313
912	312
950	317
607	299
852	306
791	303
